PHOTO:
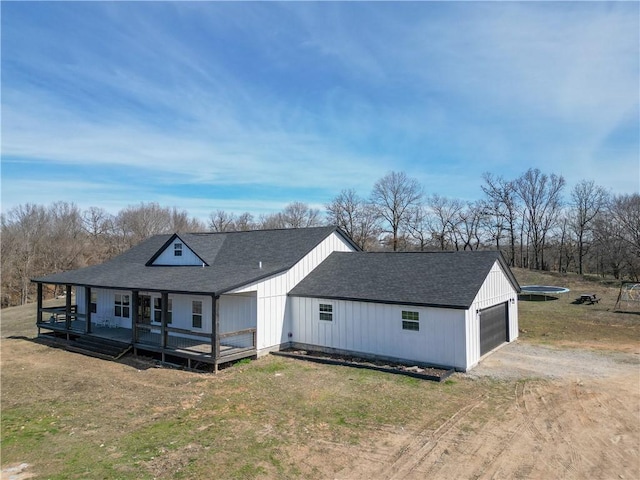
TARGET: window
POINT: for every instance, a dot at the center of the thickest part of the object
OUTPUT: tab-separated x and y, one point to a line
196	313
93	307
177	249
157	310
410	321
121	306
326	312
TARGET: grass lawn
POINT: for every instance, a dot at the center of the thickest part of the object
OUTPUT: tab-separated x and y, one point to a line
561	322
72	416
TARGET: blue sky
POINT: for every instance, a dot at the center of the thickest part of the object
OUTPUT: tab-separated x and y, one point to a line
250	106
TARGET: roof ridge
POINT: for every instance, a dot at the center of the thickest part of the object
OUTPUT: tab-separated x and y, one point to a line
425	251
261	230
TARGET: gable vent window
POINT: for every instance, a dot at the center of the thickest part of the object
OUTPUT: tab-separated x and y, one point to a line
177	249
326	312
410	321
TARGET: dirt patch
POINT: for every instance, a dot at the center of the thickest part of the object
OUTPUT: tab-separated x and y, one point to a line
571	414
16	471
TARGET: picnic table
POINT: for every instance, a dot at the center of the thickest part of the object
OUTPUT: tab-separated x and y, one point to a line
588	298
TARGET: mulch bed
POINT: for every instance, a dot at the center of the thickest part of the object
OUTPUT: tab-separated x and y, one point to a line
416	371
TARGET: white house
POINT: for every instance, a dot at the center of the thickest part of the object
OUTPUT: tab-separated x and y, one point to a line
218	297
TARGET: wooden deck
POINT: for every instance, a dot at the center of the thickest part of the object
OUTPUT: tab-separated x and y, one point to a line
149	340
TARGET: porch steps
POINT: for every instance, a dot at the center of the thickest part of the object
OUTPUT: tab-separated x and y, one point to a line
98	347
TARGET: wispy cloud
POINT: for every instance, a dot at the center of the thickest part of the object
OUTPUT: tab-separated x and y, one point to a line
297	101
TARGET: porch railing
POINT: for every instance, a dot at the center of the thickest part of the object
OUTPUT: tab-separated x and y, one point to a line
241	339
56	318
195	342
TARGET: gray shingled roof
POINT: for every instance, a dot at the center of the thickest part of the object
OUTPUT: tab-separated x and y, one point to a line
447	279
233	260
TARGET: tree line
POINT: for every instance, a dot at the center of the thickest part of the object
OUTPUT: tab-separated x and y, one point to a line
531	219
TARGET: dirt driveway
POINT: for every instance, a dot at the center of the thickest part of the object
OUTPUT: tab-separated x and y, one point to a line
574	414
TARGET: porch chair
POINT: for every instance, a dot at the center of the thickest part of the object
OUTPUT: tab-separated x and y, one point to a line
101	321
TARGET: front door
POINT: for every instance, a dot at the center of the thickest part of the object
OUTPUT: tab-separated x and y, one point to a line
144	309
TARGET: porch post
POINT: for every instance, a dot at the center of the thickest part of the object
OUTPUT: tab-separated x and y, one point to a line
87	308
163	318
39	305
135	301
67	323
215	330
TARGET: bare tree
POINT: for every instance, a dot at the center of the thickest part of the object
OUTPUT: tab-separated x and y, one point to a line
355	216
541	195
625	209
24	239
565	248
503	205
66	237
271	221
97	224
245	222
446	217
588	200
469	226
395	196
419	226
610	248
300	215
181	222
139	222
221	221
625	213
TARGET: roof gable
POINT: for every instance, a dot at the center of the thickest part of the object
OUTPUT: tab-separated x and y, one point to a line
176	252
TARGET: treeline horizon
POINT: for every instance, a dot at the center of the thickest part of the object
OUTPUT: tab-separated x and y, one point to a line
532	219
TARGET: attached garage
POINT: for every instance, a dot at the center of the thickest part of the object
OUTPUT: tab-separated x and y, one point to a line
439	308
494	327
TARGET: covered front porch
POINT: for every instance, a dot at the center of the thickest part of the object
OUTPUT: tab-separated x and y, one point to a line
217	343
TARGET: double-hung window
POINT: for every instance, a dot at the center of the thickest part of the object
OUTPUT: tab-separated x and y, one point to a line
326	312
196	313
122	306
410	320
177	249
157	310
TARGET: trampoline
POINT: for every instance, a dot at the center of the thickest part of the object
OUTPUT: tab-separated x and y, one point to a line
542	290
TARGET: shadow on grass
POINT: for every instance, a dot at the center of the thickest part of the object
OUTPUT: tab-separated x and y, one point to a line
536	298
130	360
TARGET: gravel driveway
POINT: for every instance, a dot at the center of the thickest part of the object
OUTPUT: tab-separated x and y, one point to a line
522	360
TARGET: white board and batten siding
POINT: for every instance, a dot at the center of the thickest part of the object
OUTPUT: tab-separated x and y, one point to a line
105	305
376	329
495	290
237	312
272	315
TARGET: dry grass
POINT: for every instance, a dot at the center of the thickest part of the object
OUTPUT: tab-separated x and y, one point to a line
71	416
562	322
